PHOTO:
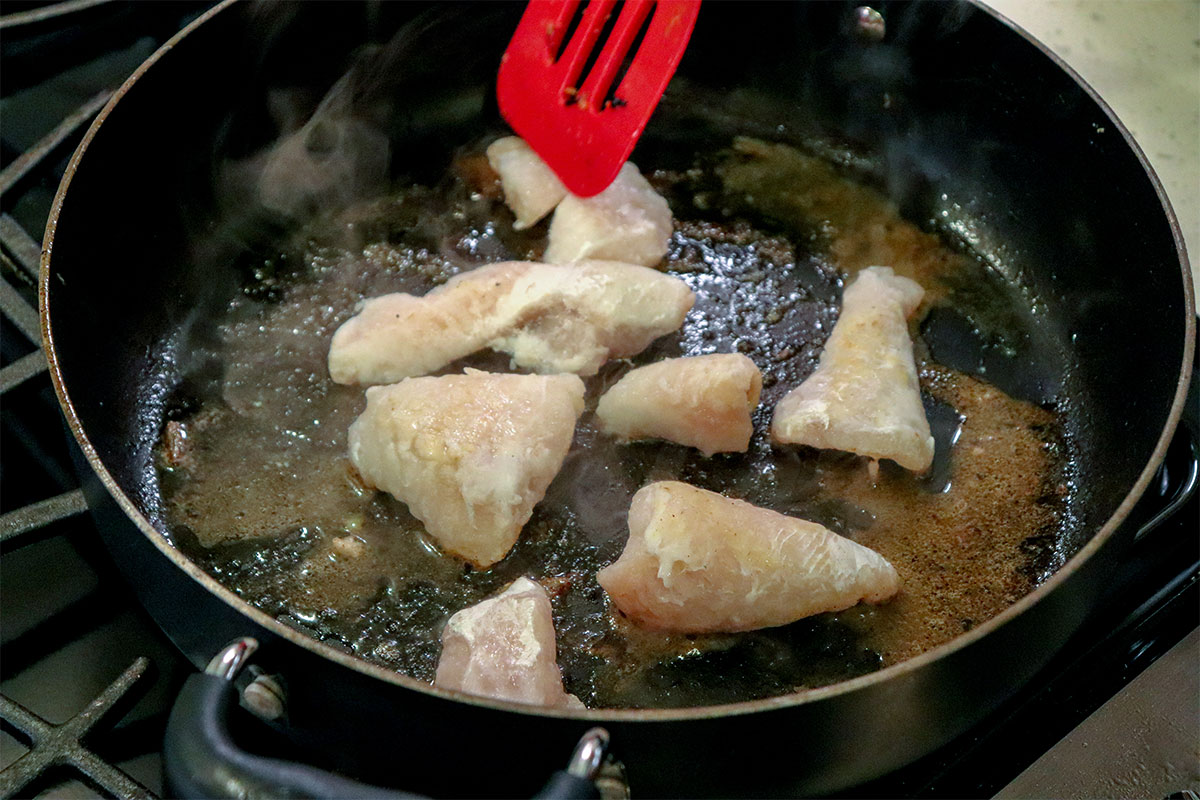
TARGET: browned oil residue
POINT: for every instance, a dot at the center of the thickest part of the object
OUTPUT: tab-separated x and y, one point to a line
258	487
959	552
859	226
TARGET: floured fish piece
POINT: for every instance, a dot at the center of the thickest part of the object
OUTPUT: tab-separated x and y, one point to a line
699	562
700	401
470	455
864	396
628	221
574	318
531	189
504	648
549	318
399	335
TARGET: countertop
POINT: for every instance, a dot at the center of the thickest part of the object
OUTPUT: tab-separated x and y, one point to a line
1143	58
1141	743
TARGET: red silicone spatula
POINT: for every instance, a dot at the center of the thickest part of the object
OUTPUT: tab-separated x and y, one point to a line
582	125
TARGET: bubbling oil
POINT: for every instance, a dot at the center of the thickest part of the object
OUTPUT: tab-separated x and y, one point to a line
259	490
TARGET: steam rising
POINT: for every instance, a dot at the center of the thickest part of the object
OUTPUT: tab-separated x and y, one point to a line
323	159
296	156
332	160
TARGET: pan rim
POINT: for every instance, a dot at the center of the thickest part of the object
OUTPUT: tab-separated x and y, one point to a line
884	675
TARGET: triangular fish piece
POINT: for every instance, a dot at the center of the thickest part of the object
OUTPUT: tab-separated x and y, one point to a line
864	396
699	401
628	222
699	562
504	647
470	455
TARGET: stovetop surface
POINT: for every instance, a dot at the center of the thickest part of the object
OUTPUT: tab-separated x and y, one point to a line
70	627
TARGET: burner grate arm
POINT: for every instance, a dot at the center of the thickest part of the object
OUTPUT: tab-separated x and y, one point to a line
62	745
38	515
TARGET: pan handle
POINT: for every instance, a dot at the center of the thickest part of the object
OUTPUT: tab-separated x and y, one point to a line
201	761
1187	486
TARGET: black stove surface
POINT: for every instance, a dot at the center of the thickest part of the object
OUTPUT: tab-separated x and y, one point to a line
79	653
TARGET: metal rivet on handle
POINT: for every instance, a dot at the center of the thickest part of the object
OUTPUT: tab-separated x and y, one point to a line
229	662
589	754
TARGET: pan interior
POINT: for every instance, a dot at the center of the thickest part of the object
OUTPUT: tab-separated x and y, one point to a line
1047	306
257	488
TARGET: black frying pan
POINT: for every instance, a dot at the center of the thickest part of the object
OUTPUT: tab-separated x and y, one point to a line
135	252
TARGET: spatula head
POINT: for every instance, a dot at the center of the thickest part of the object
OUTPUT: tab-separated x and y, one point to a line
571	103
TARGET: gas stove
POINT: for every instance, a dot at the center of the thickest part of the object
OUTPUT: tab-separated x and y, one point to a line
87	679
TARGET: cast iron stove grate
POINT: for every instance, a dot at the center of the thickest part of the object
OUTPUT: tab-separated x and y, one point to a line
69	625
